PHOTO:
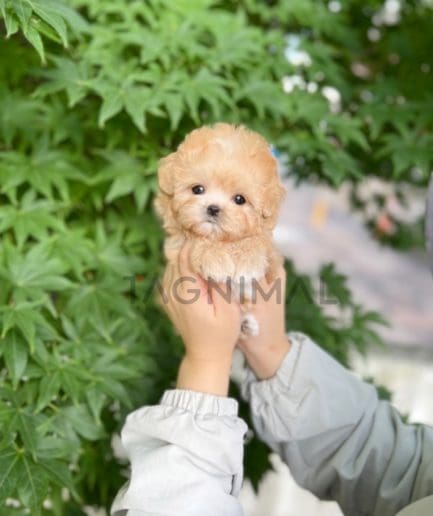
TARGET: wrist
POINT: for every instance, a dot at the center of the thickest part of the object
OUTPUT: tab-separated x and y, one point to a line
210	376
265	360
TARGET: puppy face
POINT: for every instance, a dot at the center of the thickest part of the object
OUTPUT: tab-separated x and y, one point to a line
221	183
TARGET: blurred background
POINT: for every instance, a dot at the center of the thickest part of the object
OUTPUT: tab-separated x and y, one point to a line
92	94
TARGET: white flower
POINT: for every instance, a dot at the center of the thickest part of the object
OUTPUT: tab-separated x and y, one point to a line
297	57
293	54
333	96
389	14
334	6
290	82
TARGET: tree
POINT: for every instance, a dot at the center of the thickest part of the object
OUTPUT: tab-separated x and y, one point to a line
92	95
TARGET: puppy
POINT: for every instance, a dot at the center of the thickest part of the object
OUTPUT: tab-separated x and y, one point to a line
220	189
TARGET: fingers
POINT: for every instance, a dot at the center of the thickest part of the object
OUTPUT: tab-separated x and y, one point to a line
176	271
260	293
281	276
186	271
221	296
163	295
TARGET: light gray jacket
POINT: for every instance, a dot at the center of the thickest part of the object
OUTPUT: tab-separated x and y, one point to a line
338	439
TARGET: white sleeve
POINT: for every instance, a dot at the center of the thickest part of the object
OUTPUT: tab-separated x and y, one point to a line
186	457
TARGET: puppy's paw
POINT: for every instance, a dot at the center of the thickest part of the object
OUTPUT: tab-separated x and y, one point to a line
249	326
212	263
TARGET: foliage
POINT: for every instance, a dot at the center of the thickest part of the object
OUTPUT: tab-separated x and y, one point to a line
110	88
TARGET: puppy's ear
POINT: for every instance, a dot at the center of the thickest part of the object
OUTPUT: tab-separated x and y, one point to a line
273	197
166	174
163	199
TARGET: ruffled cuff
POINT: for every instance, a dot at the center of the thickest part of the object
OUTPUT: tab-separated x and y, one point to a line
200	403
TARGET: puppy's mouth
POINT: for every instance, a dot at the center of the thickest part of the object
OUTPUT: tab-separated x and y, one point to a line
211	223
209	227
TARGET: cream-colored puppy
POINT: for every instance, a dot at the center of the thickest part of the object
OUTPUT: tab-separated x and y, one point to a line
221	191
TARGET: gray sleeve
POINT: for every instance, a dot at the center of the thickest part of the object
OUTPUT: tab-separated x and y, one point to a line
185	456
338	439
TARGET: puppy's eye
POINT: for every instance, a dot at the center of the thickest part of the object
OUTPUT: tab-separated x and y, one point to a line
197	189
239	199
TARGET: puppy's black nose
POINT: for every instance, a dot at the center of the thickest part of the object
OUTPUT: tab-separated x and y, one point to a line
213	210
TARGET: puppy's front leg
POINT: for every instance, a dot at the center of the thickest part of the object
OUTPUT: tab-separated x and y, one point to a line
275	261
172	247
212	261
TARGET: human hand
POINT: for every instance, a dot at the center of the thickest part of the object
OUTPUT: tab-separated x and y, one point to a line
208	323
266	351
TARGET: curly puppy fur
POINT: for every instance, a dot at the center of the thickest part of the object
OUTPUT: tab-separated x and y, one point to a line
221	190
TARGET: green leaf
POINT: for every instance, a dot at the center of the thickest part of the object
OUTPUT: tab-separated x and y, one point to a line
83	423
96	400
11	23
26	317
21	420
257	460
59	473
32	486
33	37
51	17
334	285
67	75
136	104
261	93
23	12
15	352
10	473
71	382
53	447
123	184
22	318
111	105
175	108
38	270
48	389
142	193
30	220
117	391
